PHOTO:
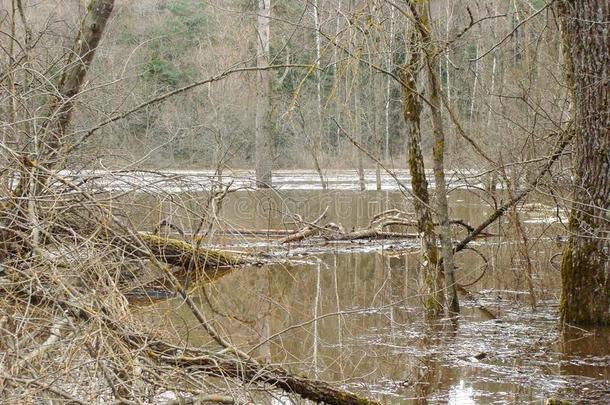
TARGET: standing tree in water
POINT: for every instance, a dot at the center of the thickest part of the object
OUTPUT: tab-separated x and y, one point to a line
263	98
585	267
431	272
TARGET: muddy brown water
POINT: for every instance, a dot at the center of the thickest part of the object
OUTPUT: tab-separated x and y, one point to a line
351	312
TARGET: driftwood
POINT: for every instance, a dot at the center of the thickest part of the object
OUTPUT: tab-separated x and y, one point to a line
374	233
310	230
332	233
304	233
254	232
375	230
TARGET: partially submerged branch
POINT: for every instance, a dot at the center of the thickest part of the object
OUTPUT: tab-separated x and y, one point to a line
563	142
375	230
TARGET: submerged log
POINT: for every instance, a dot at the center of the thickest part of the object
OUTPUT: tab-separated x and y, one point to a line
191	264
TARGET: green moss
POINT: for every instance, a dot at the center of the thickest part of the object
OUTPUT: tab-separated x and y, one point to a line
584	296
179	252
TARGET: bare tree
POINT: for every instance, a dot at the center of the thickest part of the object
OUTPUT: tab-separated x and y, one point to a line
412	107
263	141
317	142
438	151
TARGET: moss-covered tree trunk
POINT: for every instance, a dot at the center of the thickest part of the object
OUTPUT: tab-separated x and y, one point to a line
585	267
438	157
432	280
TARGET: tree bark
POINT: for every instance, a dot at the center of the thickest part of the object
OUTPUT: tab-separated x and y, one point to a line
438	155
357	118
432	279
388	92
263	99
585	267
179	253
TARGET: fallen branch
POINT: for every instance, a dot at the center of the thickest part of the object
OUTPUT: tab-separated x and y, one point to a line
471	297
304	233
254	232
500	211
223	364
375	229
310	230
374	233
249	372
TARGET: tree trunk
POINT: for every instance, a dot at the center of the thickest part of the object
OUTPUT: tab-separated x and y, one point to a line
263	99
317	142
85	45
585	267
48	147
372	113
337	104
357	118
438	155
388	92
432	279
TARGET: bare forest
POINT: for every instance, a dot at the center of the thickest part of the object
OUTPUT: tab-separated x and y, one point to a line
304	201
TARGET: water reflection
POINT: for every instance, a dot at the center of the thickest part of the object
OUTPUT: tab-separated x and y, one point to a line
353	316
461	394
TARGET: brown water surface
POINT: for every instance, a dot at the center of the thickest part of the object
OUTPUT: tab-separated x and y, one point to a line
351	312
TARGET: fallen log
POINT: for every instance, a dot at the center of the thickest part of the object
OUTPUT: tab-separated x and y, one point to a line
375	229
304	233
251	372
254	232
190	263
176	252
369	234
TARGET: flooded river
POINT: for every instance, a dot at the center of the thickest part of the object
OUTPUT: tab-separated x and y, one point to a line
351	312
